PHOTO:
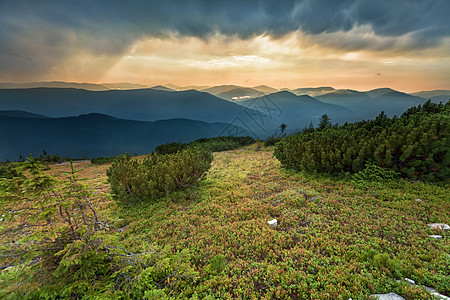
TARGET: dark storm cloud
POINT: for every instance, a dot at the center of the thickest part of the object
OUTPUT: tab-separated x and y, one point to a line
37	34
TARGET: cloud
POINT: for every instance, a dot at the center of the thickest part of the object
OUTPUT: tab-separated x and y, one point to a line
234	61
35	36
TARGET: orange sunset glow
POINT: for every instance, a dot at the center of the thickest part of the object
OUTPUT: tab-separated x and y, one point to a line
348	47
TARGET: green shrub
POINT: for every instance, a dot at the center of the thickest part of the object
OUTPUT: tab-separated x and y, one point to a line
55	228
8	170
103	160
217	144
157	175
416	145
223	143
272	140
217	263
170	148
373	172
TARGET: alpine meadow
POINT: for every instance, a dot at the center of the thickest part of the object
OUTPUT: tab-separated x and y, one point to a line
253	149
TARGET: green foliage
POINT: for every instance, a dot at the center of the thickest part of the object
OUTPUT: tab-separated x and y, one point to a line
170	148
55	247
324	122
373	172
380	260
223	143
218	263
46	158
103	160
215	242
157	175
414	145
283	128
8	170
272	140
53	227
217	144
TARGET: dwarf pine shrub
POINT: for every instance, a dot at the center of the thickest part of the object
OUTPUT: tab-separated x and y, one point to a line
8	170
157	175
416	145
170	148
216	144
103	160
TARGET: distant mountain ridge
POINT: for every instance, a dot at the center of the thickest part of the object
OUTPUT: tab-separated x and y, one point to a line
94	135
55	84
240	93
313	92
435	96
141	104
20	114
252	109
295	111
369	104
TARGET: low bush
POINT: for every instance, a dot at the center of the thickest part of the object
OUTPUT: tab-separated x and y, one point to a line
103	160
373	172
157	175
54	246
170	148
217	144
223	143
272	140
8	170
414	145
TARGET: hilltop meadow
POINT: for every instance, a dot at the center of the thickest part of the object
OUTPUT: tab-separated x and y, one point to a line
190	221
334	240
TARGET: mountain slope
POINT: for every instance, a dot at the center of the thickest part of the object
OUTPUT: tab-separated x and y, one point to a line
20	114
313	92
220	89
143	104
370	104
379	92
94	135
435	96
54	84
429	94
237	94
162	88
124	86
265	89
295	111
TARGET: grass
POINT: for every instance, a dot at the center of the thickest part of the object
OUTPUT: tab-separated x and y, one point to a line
334	239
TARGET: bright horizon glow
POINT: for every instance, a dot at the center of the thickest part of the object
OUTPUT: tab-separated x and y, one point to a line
290	62
340	49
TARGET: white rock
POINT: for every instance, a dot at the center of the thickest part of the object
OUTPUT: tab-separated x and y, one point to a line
431	290
273	223
435	236
410	281
439	226
440	297
418	200
390	296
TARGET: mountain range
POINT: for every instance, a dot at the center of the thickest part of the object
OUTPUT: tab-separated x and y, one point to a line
93	114
140	104
295	111
94	135
369	104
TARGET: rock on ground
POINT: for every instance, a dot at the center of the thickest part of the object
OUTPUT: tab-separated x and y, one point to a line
390	296
435	236
439	226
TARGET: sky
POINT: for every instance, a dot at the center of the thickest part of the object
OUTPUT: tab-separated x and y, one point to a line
359	44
